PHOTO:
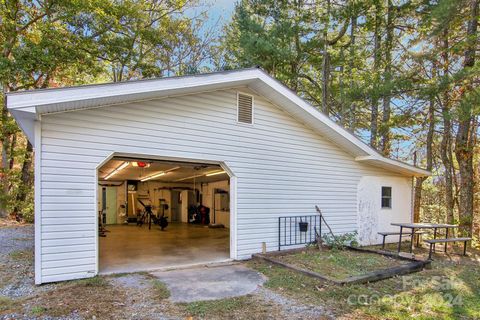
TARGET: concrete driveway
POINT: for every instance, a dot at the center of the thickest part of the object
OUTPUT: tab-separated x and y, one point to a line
210	283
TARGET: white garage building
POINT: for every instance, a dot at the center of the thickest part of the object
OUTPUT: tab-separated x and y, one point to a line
237	142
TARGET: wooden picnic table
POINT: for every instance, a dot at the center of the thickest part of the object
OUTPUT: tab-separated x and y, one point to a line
413	226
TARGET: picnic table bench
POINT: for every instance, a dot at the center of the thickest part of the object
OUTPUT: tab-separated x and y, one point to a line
433	242
385	234
416	226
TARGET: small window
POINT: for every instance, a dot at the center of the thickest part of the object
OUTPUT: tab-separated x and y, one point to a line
245	108
386	197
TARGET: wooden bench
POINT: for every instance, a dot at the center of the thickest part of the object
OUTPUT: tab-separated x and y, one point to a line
385	234
433	242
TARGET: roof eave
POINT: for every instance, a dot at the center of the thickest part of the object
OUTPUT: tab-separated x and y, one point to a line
393	165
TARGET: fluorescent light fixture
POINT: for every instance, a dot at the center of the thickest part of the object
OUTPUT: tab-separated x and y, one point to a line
153	176
188	178
119	168
159	174
215	173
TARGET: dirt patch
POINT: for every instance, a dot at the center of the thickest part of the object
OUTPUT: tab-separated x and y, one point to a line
4	223
92	297
136	281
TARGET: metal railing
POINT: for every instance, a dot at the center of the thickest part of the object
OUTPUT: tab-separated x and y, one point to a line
293	230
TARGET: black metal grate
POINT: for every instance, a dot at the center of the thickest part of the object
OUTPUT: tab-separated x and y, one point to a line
289	233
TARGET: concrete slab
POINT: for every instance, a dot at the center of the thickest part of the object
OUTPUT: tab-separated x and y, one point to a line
129	248
210	283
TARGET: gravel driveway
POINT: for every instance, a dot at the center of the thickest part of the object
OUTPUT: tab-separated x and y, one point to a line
16	239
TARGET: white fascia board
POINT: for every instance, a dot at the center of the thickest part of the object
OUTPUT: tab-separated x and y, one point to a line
394	165
46	97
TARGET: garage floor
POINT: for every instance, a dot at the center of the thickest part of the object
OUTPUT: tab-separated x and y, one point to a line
128	248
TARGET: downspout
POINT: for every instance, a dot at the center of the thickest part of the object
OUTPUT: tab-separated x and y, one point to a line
412	197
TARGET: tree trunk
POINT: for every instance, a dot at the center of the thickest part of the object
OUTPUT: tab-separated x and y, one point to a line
429	155
326	65
25	182
5	140
385	127
446	143
376	67
353	29
13	145
463	147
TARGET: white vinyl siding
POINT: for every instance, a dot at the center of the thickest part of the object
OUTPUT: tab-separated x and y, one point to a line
282	168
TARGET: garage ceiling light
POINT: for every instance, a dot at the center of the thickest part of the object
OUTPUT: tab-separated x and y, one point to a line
119	168
140	164
159	174
215	173
153	176
188	178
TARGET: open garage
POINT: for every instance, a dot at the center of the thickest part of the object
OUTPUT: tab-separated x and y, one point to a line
103	150
157	214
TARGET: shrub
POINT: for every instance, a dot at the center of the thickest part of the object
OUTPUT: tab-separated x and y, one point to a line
340	241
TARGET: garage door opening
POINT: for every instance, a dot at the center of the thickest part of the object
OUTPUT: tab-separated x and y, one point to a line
136	196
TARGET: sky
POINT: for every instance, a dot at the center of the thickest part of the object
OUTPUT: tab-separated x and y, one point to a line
221	9
218	10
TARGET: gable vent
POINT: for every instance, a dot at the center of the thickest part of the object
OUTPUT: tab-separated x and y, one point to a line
245	108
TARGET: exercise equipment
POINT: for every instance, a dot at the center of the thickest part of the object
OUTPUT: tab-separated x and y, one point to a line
149	216
199	215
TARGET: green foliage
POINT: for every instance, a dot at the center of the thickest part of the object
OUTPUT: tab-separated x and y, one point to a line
393	61
70	42
339	242
38	310
392	57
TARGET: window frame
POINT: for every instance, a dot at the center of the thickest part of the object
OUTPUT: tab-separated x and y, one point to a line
389	197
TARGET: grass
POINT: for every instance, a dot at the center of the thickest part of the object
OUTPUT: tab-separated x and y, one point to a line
161	290
38	310
22	255
96	281
92	296
125	274
246	307
339	264
7	304
450	290
226	306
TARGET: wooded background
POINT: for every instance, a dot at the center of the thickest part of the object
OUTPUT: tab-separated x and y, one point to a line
402	75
